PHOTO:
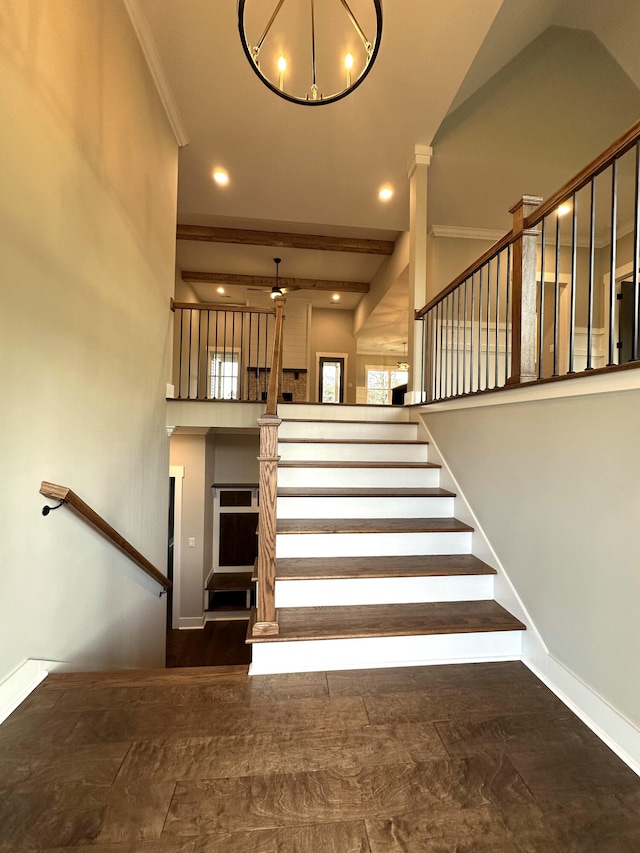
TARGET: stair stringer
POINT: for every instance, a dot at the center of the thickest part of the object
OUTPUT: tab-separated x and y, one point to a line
615	730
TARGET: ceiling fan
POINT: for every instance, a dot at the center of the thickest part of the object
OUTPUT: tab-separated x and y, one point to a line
277	289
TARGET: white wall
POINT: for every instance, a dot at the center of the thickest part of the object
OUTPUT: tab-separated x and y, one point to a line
87	220
554	484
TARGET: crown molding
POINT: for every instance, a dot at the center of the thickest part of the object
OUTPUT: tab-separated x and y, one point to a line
143	32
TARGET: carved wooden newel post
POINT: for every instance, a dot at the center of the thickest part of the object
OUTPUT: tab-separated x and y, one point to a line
266	616
523	294
266	622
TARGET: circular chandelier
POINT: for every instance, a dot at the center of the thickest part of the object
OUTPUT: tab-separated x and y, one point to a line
311	53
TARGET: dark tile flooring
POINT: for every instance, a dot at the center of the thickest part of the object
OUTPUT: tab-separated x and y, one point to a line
476	758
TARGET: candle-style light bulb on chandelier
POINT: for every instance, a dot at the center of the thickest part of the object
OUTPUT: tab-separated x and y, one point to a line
311	53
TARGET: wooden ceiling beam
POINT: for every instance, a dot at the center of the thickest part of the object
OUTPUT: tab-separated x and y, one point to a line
282	240
268	281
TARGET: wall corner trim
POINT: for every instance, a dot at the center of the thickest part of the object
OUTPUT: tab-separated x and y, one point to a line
143	33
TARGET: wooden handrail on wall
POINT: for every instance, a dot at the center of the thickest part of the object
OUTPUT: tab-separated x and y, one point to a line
63	493
266	621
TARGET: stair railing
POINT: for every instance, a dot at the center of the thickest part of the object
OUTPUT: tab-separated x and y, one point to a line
266	621
556	297
221	352
66	497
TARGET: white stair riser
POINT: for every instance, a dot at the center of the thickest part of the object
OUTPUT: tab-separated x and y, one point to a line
348	413
380	652
371	544
356	591
374	431
387	478
365	507
353	452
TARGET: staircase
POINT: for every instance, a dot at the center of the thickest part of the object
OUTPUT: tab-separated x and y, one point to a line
372	567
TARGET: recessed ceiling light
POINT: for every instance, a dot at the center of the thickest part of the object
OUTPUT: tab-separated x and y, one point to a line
221	177
336	297
564	209
385	193
219	289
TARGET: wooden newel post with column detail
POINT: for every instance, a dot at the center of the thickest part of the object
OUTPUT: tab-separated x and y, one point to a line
266	623
523	294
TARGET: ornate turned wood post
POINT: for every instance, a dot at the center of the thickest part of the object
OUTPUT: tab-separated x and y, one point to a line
266	622
523	293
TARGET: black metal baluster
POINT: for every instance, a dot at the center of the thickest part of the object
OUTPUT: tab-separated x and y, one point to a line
180	354
541	313
497	359
214	365
507	315
473	311
198	356
457	339
233	346
189	361
636	258
207	356
573	284
480	330
612	265
486	366
464	342
446	346
592	249
556	302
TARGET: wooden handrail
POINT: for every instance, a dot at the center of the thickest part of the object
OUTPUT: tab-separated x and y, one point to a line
601	162
216	306
502	243
63	493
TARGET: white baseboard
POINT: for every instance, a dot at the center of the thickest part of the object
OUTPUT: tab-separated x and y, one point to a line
619	734
187	623
17	686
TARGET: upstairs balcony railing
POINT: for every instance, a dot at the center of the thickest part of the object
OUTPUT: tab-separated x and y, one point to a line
222	352
558	296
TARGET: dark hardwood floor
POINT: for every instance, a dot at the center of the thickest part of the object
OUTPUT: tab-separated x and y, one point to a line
217	644
475	758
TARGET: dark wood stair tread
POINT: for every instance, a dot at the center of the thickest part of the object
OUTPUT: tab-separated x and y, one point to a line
338	492
392	441
319	568
230	581
389	620
337	421
361	464
372	525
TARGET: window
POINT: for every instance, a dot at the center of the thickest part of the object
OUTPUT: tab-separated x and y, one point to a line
380	383
223	372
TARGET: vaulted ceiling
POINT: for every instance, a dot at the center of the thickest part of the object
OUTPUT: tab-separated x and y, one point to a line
458	74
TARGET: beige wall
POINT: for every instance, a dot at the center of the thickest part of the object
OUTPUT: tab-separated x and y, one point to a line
190	451
554	485
332	332
87	218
